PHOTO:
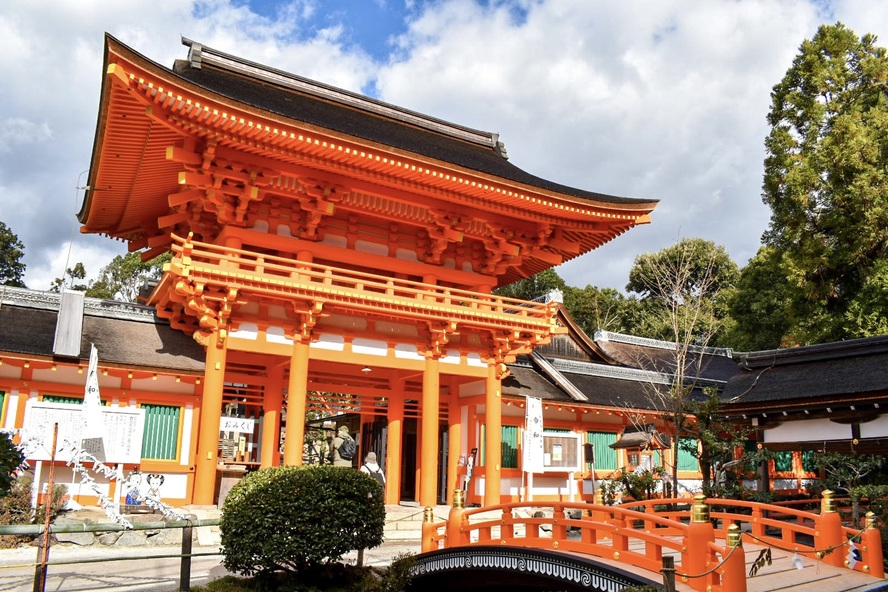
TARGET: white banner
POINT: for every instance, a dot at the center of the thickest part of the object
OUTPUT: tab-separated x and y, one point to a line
240	425
93	436
533	435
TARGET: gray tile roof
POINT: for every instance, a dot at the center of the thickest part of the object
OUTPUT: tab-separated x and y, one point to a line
125	334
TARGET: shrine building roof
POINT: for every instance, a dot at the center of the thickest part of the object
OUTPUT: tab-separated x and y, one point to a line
825	375
325	106
218	143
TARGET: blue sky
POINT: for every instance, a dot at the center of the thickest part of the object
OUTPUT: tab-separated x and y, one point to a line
661	99
367	24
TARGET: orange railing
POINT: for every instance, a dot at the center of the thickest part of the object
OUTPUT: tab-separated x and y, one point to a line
273	276
689	529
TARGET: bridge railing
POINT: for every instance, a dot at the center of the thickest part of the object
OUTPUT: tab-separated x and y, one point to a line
601	531
820	536
674	526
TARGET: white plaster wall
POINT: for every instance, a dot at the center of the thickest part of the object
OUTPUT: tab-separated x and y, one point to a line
878	428
805	431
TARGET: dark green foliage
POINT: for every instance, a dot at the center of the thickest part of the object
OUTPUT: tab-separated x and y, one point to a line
639	485
533	287
827	186
299	519
760	304
11	460
123	278
12	269
593	308
680	291
71	276
718	438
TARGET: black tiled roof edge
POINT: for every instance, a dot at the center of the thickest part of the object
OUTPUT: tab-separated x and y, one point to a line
813	353
602	335
350	120
97	307
623	373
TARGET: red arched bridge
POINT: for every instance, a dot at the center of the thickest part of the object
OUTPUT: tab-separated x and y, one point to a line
701	544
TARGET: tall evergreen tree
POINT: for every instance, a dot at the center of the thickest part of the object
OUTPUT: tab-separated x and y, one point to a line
12	268
826	182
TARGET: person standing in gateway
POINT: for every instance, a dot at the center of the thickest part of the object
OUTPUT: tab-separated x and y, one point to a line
343	448
371	468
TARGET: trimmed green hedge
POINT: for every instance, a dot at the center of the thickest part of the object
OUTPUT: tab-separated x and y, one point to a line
298	518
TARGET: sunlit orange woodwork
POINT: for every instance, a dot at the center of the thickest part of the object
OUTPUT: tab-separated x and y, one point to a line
296	404
493	445
272	403
332	233
210	416
393	448
429	434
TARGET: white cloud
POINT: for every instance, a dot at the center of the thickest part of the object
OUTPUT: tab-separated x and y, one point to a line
16	131
660	99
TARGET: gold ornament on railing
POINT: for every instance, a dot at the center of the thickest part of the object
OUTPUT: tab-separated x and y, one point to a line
701	509
828	503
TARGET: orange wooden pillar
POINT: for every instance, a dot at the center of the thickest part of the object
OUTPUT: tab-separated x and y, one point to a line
454	445
873	553
393	447
695	553
828	532
494	436
734	569
297	393
428	463
210	416
271	418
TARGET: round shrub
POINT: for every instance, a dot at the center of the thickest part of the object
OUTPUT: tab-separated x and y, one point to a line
297	518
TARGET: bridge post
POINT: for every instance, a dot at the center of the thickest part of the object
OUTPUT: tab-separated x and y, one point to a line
599	513
828	538
734	569
455	535
873	554
695	552
429	542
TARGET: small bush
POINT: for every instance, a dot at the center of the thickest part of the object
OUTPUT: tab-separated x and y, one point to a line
15	508
11	460
298	519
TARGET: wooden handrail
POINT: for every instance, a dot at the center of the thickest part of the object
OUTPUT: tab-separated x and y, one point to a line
605	531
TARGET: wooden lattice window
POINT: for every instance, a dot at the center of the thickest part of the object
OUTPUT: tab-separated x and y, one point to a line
605	456
63	399
809	461
686	459
509	450
160	438
783	461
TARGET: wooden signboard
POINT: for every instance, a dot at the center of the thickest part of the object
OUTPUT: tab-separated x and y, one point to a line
123	431
562	452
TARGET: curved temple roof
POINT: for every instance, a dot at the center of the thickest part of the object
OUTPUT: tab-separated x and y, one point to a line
163	136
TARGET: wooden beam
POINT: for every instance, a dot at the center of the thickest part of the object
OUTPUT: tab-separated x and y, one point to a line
184	197
177	154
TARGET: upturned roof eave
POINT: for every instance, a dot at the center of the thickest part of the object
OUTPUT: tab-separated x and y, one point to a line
637	209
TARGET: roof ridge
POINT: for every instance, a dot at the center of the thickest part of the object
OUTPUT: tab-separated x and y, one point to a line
199	54
602	335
